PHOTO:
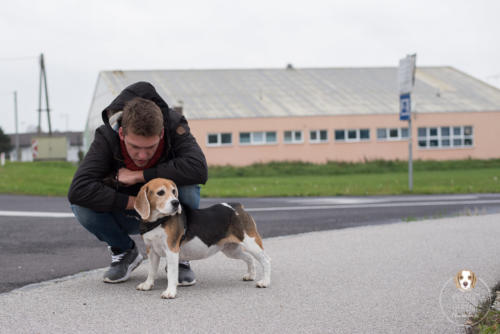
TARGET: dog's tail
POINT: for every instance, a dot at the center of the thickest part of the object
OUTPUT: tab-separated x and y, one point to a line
248	222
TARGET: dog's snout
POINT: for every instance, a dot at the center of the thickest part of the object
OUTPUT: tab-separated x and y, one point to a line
175	203
465	284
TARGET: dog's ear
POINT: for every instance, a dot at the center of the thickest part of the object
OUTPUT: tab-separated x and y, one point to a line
474	279
457	283
141	204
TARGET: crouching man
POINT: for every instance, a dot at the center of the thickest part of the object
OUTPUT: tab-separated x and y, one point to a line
141	139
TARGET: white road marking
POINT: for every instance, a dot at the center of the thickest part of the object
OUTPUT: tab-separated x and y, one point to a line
370	205
285	208
362	200
37	214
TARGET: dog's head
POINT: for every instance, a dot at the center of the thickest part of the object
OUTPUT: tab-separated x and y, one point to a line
465	280
156	199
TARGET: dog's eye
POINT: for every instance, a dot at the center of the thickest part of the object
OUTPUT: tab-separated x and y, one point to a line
461	277
161	193
174	191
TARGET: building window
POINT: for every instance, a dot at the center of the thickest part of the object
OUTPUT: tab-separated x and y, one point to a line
352	135
364	134
339	135
392	134
271	137
245	138
292	137
318	136
219	139
445	137
258	138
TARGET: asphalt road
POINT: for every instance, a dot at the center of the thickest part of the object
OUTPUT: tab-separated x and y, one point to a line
40	240
391	278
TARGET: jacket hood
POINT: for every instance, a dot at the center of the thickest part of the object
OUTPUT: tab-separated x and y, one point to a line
111	115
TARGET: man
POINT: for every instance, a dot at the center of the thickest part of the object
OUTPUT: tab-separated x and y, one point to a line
141	139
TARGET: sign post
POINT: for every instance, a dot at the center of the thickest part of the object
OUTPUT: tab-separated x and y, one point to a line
34	148
406	80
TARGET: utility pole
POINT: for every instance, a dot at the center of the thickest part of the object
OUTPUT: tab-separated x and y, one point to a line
406	80
18	152
410	156
43	79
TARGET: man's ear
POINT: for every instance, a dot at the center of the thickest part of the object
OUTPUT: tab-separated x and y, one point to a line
141	204
120	133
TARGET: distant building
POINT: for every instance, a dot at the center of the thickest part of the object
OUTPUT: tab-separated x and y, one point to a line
240	117
74	145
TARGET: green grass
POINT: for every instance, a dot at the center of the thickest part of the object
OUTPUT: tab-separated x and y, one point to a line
39	178
488	318
424	182
344	168
490	324
291	178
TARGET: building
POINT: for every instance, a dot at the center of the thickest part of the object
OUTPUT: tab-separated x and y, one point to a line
240	117
73	140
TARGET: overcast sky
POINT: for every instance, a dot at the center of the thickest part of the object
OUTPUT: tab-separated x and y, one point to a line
81	38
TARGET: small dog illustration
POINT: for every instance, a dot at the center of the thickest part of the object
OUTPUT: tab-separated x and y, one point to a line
465	280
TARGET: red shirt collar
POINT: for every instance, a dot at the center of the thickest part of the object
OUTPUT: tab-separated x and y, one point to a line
129	163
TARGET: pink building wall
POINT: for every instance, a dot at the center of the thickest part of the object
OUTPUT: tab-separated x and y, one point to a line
486	145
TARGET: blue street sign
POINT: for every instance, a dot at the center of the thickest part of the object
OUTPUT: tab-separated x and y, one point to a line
404	107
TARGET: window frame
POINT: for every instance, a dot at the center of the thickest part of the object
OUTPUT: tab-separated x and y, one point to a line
451	138
254	134
293	134
318	139
388	138
356	139
219	139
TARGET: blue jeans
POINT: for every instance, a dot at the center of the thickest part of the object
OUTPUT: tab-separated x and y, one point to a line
115	227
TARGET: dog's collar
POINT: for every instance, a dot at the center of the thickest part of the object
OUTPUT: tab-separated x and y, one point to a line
145	226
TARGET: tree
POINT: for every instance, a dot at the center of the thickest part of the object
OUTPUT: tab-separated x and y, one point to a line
5	145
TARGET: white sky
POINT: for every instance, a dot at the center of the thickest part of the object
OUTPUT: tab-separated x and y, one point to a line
81	38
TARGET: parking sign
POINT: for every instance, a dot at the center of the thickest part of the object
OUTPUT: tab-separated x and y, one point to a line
404	107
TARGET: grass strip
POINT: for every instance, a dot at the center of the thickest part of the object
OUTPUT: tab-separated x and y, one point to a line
427	182
489	317
290	179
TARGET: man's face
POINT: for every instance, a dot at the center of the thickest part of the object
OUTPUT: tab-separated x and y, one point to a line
141	149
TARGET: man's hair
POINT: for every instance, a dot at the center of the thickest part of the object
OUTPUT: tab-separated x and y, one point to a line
142	117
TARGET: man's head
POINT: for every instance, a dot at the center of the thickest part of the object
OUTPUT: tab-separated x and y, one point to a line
141	129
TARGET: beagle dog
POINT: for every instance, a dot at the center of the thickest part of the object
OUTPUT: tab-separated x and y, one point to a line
177	233
465	280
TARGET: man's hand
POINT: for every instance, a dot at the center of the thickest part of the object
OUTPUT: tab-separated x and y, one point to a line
131	202
129	177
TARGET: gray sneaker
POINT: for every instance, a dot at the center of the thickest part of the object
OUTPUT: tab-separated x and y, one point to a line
122	265
186	275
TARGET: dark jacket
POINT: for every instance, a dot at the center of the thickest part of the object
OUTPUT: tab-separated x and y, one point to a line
94	184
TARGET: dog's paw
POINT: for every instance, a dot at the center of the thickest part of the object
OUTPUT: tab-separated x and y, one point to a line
169	294
144	286
263	284
249	277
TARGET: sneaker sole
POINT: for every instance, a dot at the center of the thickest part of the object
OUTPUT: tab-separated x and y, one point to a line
131	268
186	283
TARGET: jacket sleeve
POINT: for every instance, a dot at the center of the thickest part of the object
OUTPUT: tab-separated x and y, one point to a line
88	188
188	166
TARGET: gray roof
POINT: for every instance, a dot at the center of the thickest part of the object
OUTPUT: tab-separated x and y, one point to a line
237	93
75	138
